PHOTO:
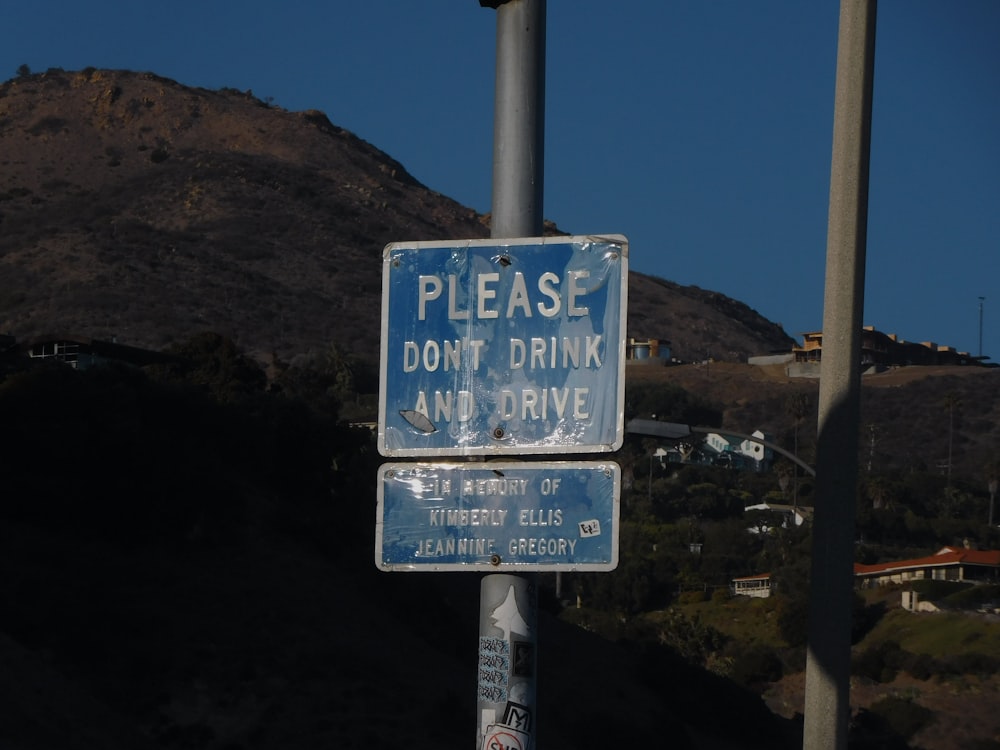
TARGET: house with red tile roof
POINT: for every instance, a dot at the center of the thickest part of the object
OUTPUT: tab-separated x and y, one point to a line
947	564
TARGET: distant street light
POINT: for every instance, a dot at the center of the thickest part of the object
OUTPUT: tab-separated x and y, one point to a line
981	326
676	431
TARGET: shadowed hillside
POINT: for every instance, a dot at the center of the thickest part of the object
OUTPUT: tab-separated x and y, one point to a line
183	570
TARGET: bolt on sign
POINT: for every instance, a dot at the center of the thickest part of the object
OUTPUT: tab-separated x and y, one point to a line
503	347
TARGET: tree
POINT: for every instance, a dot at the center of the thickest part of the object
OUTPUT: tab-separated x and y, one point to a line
882	493
649	445
632	587
214	362
784	472
23	71
694	641
992	479
759	521
873	430
670	403
325	379
798	407
951	403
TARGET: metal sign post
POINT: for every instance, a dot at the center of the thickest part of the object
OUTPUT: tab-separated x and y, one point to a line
508	644
518	179
503	348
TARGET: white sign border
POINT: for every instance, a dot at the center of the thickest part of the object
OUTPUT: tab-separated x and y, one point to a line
502	567
499	448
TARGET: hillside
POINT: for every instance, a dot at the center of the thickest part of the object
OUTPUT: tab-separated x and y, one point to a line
185	573
906	426
134	207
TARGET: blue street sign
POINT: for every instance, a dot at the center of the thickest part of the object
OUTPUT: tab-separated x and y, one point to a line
503	346
498	516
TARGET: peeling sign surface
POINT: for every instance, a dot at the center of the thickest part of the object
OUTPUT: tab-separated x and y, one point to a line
503	347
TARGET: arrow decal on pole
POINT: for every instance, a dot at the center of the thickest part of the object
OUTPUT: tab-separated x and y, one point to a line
508	617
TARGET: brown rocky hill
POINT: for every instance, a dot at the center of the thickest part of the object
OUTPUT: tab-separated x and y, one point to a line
135	207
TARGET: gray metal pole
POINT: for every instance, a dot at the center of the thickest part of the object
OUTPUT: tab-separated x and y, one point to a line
519	120
508	605
827	706
508	650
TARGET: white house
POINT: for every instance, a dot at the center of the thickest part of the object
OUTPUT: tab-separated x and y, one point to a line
758	586
729	449
784	515
947	564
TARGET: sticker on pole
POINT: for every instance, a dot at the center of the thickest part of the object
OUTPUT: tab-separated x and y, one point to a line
503	347
498	516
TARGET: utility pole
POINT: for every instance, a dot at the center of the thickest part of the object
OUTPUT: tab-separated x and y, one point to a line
828	658
518	151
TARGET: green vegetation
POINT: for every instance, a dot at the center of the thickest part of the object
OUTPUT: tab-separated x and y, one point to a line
199	447
941	635
205	447
685	535
210	428
749	621
890	722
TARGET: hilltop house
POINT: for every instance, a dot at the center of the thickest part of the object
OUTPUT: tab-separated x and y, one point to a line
947	564
886	350
81	352
878	351
647	352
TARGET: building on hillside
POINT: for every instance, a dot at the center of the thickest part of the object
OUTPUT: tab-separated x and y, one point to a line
878	351
784	516
726	450
647	352
757	586
82	353
911	601
720	449
887	350
947	564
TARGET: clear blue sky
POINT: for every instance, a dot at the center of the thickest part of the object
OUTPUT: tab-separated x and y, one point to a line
701	130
